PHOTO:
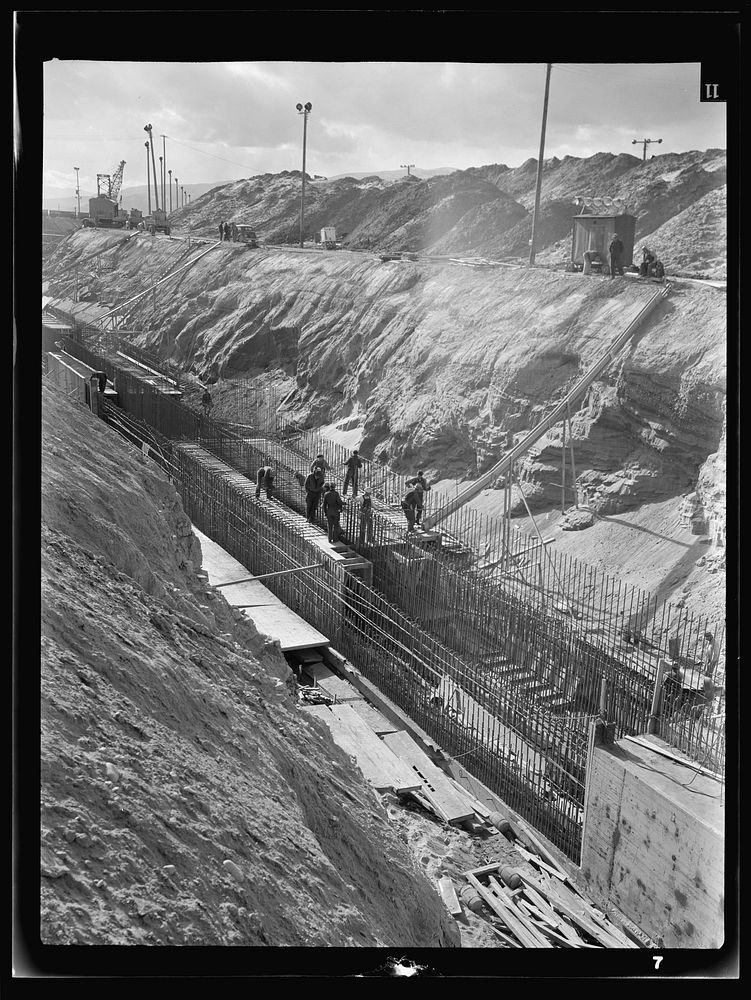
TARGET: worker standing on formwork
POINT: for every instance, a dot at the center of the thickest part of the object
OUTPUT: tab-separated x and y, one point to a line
314	485
366	519
332	508
221	231
207	402
320	464
419	480
412	506
353	466
265	481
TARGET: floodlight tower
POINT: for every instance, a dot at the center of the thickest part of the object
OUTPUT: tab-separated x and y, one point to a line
646	143
407	167
303	110
78	193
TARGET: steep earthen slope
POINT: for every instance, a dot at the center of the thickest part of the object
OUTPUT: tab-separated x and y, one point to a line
185	799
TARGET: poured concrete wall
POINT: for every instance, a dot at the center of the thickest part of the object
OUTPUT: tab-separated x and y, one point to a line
653	843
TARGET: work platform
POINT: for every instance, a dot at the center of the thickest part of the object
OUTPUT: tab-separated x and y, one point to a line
269	615
338	554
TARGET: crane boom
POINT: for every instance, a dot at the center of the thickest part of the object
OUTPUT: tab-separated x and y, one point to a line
508	460
117	182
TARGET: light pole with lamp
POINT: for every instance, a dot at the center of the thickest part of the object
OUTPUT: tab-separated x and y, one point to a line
646	143
148	175
78	193
177	195
170	190
303	110
407	167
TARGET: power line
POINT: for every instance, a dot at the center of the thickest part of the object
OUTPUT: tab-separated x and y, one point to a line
213	155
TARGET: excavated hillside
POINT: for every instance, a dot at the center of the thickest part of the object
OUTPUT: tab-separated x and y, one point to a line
486	211
185	797
434	365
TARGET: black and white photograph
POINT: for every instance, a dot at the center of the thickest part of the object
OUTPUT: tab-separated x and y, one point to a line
375	596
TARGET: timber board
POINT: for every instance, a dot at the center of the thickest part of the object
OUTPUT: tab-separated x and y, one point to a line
437	787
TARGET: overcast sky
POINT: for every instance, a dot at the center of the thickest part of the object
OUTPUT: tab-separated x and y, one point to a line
226	121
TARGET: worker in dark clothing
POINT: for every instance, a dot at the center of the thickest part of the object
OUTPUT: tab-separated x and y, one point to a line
412	506
419	480
647	260
265	480
320	464
207	402
366	519
332	508
353	465
616	255
102	377
226	231
221	230
314	485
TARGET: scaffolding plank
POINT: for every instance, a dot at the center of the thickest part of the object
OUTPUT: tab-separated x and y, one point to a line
282	624
338	688
380	766
375	719
437	787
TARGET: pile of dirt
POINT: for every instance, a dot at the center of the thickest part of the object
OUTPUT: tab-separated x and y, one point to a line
185	797
485	210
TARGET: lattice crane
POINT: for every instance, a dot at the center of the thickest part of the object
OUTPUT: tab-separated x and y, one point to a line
114	182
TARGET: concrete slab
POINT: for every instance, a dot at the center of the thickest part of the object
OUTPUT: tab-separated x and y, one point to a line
270	616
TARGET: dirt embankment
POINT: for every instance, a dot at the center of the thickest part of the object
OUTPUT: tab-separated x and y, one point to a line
442	367
185	798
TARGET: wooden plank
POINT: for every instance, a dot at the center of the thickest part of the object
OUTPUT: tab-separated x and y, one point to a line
517	927
375	719
319	711
381	767
577	916
536	860
515	918
588	910
477	872
544	906
448	894
281	623
437	786
340	689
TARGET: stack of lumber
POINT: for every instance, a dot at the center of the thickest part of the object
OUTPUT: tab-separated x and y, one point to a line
542	911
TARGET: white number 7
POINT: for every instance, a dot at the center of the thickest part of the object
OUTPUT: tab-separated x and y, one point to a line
657	959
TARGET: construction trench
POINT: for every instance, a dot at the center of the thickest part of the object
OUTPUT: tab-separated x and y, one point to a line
521	671
505	671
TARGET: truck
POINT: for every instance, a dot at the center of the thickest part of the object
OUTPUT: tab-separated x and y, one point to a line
328	238
246	235
156	222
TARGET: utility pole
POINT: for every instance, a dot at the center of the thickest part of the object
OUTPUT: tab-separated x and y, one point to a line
182	196
164	175
177	195
539	168
148	175
646	143
161	177
147	128
78	194
304	111
407	167
170	191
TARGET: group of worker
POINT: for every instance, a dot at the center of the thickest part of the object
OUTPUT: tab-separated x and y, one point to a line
650	266
227	231
678	698
319	488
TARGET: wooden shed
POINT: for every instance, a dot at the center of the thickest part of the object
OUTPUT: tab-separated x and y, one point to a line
594	232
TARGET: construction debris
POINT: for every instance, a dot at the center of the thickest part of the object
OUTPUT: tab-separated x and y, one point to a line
540	912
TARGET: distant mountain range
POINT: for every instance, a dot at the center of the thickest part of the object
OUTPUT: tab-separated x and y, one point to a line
137	197
394	175
133	197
